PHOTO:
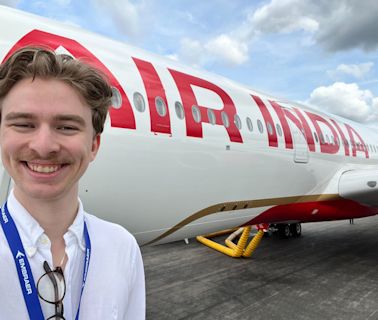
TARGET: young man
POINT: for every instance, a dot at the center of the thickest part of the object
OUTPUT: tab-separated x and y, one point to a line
56	260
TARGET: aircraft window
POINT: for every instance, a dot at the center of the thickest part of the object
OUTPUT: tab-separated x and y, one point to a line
249	124
237	122
316	137
139	103
196	114
327	138
260	126
161	108
279	130
375	149
225	120
179	110
211	116
347	143
116	98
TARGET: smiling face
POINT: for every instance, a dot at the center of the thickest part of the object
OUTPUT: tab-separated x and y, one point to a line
47	139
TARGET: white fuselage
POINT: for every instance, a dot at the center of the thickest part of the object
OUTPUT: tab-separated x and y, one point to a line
173	170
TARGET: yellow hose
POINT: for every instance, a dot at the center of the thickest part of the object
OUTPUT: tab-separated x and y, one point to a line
232	249
229	241
232	252
253	244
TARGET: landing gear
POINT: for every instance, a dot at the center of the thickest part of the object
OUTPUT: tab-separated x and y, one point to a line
296	229
284	230
287	230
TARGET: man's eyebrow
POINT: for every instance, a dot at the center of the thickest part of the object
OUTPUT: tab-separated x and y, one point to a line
70	117
19	115
29	116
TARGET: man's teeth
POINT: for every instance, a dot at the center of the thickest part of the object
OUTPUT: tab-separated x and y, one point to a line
43	168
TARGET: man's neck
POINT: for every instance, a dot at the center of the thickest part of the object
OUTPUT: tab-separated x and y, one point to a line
54	215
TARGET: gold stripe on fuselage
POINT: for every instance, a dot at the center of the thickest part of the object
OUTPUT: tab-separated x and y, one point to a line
242	205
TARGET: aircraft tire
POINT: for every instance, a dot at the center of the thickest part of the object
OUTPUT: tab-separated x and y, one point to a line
284	230
296	230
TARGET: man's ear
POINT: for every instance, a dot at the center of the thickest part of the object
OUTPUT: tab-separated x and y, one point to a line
95	145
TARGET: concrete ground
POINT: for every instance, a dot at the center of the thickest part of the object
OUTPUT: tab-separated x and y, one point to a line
331	272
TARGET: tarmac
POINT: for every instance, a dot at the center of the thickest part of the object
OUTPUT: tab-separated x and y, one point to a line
330	272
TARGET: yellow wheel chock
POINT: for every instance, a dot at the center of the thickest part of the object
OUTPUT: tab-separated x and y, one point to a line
231	249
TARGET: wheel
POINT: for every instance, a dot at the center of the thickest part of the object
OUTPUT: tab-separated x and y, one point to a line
296	229
284	230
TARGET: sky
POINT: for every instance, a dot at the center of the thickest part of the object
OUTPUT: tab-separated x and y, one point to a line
321	53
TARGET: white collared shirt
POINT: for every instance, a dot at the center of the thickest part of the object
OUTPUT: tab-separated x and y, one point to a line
115	283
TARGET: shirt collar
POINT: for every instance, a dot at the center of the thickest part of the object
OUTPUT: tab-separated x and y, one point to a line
28	228
30	231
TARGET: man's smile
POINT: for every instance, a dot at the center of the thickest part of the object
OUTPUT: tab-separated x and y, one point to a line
43	168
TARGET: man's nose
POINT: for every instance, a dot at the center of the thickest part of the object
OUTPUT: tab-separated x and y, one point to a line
44	141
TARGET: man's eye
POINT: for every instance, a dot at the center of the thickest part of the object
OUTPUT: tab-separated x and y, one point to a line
68	128
22	125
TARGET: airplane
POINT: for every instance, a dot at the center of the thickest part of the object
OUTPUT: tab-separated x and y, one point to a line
186	152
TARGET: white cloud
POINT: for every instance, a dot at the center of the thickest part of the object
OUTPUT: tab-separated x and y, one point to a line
222	48
335	24
227	49
9	3
346	100
358	71
349	24
126	15
191	51
172	56
283	16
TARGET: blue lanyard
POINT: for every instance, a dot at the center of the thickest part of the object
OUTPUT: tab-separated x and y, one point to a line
25	275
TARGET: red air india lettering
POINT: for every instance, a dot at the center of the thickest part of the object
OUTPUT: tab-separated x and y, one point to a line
325	147
154	88
272	134
298	120
284	124
122	117
306	129
358	145
344	140
184	83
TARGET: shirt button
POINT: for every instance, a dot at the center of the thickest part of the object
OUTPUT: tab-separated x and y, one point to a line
31	251
115	312
44	239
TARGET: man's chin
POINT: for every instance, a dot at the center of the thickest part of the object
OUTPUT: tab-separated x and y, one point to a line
46	193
